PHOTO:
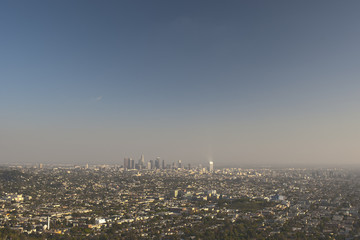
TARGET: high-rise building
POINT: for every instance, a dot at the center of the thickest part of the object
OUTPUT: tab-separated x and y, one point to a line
48	225
142	162
179	164
137	166
152	164
211	166
157	163
132	163
126	163
163	164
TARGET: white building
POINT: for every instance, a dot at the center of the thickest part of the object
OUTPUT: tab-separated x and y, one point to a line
211	166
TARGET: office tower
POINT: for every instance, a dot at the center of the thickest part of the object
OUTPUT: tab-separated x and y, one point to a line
149	165
179	164
142	161
163	164
152	164
127	163
139	162
157	163
211	166
132	163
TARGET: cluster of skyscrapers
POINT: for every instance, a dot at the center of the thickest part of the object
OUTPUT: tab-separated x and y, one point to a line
130	163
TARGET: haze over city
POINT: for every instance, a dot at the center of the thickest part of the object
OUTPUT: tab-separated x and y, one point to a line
239	83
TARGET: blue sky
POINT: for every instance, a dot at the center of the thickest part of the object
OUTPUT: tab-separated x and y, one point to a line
265	82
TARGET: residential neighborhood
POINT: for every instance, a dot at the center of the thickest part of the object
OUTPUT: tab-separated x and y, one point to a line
113	202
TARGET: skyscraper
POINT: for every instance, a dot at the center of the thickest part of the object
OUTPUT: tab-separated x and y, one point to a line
211	166
157	163
132	163
126	163
179	164
142	162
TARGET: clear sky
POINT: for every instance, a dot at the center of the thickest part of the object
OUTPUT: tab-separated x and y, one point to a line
239	82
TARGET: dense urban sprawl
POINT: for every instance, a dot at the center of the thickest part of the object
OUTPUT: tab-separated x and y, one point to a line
174	202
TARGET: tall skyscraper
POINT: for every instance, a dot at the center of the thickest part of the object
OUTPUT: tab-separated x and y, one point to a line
132	163
142	162
157	163
211	166
163	164
126	163
179	164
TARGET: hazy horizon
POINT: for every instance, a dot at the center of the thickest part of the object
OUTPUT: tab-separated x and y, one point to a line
239	82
